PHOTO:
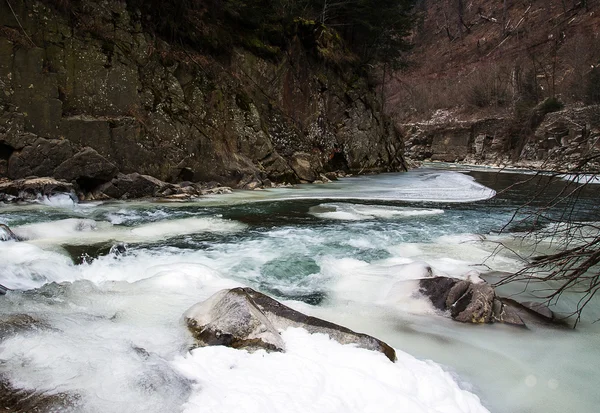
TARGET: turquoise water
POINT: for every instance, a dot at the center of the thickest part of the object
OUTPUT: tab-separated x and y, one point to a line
347	251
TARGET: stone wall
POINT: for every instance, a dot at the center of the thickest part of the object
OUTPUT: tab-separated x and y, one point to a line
101	87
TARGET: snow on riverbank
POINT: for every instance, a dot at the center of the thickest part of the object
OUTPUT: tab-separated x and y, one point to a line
317	374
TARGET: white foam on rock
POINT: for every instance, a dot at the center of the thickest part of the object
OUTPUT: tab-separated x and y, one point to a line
318	375
418	185
58	201
26	266
358	212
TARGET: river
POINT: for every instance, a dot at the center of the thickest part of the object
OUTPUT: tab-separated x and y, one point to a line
109	324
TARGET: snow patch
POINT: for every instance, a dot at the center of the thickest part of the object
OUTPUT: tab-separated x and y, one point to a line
317	374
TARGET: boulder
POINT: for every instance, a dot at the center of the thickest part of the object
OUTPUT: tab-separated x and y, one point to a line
468	302
3	289
32	189
534	312
245	318
231	318
301	165
86	167
506	314
539	309
132	185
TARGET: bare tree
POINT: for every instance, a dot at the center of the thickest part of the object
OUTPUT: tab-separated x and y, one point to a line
573	264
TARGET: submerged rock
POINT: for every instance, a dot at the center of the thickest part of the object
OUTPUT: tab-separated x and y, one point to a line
87	253
468	302
6	234
245	318
16	400
16	323
534	312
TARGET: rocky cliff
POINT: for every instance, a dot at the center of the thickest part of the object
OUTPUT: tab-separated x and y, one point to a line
87	96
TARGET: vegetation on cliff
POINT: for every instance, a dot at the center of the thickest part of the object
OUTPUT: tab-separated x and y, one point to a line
242	93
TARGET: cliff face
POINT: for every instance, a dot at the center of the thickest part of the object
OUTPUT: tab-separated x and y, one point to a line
143	105
565	140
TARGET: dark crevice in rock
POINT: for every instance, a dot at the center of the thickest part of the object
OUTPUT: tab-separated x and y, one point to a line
185	174
337	162
88	185
6	151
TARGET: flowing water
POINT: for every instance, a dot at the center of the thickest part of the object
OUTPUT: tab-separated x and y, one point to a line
107	324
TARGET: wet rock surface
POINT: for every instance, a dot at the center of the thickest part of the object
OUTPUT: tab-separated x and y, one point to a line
11	324
6	234
16	400
468	302
245	318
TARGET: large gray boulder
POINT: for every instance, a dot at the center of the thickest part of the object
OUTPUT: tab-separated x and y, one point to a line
302	165
245	318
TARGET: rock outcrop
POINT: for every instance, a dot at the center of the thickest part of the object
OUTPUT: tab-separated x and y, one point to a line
557	140
244	318
86	96
468	302
22	190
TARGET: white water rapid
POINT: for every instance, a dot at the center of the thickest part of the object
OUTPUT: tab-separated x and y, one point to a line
107	325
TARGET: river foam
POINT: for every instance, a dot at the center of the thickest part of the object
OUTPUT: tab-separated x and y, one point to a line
87	231
109	331
357	212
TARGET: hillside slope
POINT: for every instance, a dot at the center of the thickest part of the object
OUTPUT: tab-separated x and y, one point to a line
482	87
